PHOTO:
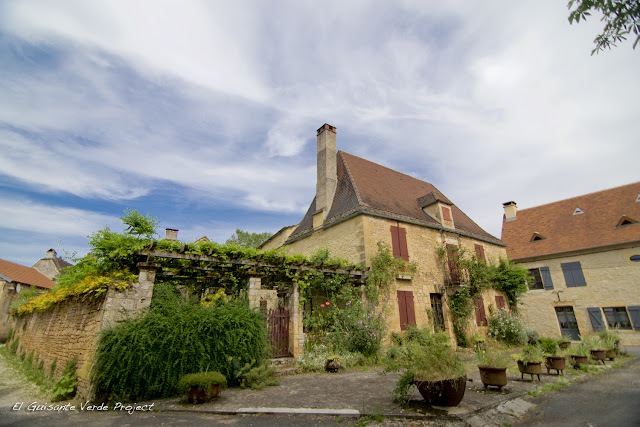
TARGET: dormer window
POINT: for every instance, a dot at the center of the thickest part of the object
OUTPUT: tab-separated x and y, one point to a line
578	211
537	237
638	198
625	220
446	213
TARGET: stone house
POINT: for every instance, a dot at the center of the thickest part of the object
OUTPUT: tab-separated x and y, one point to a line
359	203
583	255
16	279
51	265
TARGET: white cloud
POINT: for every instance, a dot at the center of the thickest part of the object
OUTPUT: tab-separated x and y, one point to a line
31	217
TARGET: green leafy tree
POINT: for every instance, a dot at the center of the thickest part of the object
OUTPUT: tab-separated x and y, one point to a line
247	239
621	17
138	224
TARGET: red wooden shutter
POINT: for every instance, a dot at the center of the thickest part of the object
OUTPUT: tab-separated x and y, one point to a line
406	310
454	271
446	213
402	243
481	318
395	241
500	301
480	252
399	242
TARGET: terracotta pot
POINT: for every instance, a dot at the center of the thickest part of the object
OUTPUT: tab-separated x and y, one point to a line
611	354
531	368
564	345
579	360
443	393
332	365
559	363
493	376
599	355
198	395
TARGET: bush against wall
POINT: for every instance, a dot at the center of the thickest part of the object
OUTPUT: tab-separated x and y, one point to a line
145	358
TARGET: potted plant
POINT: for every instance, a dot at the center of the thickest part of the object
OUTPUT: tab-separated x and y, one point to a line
553	358
479	342
436	371
564	342
530	361
333	363
611	343
579	355
202	386
595	346
493	368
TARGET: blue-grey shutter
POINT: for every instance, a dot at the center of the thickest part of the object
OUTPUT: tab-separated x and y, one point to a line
573	274
546	278
634	313
595	315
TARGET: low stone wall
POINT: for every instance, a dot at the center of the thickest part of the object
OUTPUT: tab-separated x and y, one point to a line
73	327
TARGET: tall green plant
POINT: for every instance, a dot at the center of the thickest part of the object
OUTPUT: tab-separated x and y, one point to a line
144	358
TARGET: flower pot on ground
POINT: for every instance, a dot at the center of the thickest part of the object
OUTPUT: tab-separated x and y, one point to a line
553	358
493	368
530	361
332	364
579	355
610	342
595	346
202	386
564	342
433	367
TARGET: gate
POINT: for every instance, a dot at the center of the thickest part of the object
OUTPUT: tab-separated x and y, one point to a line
278	332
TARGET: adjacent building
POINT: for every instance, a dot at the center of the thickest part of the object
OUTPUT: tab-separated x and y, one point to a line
359	203
583	256
14	280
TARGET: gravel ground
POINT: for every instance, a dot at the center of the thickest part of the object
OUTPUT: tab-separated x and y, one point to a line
15	387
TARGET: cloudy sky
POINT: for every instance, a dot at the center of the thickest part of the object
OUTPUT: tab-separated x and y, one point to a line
204	113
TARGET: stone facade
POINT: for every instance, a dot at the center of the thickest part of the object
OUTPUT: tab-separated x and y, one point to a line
611	278
356	239
72	328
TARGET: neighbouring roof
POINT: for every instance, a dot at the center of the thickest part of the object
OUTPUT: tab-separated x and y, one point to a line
597	223
367	187
25	275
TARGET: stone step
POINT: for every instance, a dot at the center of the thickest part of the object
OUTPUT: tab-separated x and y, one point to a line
285	366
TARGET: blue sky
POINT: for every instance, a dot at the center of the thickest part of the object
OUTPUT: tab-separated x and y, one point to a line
204	114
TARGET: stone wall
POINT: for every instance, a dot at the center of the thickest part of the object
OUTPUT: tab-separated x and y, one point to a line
73	327
612	281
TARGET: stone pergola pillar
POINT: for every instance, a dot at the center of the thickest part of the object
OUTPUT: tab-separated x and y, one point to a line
296	331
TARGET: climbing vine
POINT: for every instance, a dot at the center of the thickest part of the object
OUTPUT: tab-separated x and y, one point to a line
506	277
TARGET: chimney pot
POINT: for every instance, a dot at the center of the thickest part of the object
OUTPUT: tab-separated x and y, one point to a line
510	210
170	234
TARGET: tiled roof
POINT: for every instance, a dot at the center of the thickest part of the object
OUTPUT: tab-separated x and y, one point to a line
367	187
25	275
562	231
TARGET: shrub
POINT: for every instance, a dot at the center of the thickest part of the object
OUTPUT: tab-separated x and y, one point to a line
505	326
549	346
202	380
144	358
65	387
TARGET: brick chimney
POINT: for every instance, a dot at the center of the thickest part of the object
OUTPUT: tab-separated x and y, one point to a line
510	210
170	234
327	173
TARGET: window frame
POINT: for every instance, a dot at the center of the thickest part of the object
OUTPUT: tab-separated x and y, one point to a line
616	311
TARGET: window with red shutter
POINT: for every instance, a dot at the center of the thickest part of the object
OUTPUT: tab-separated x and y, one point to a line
500	301
454	268
481	317
399	243
446	213
406	310
480	252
